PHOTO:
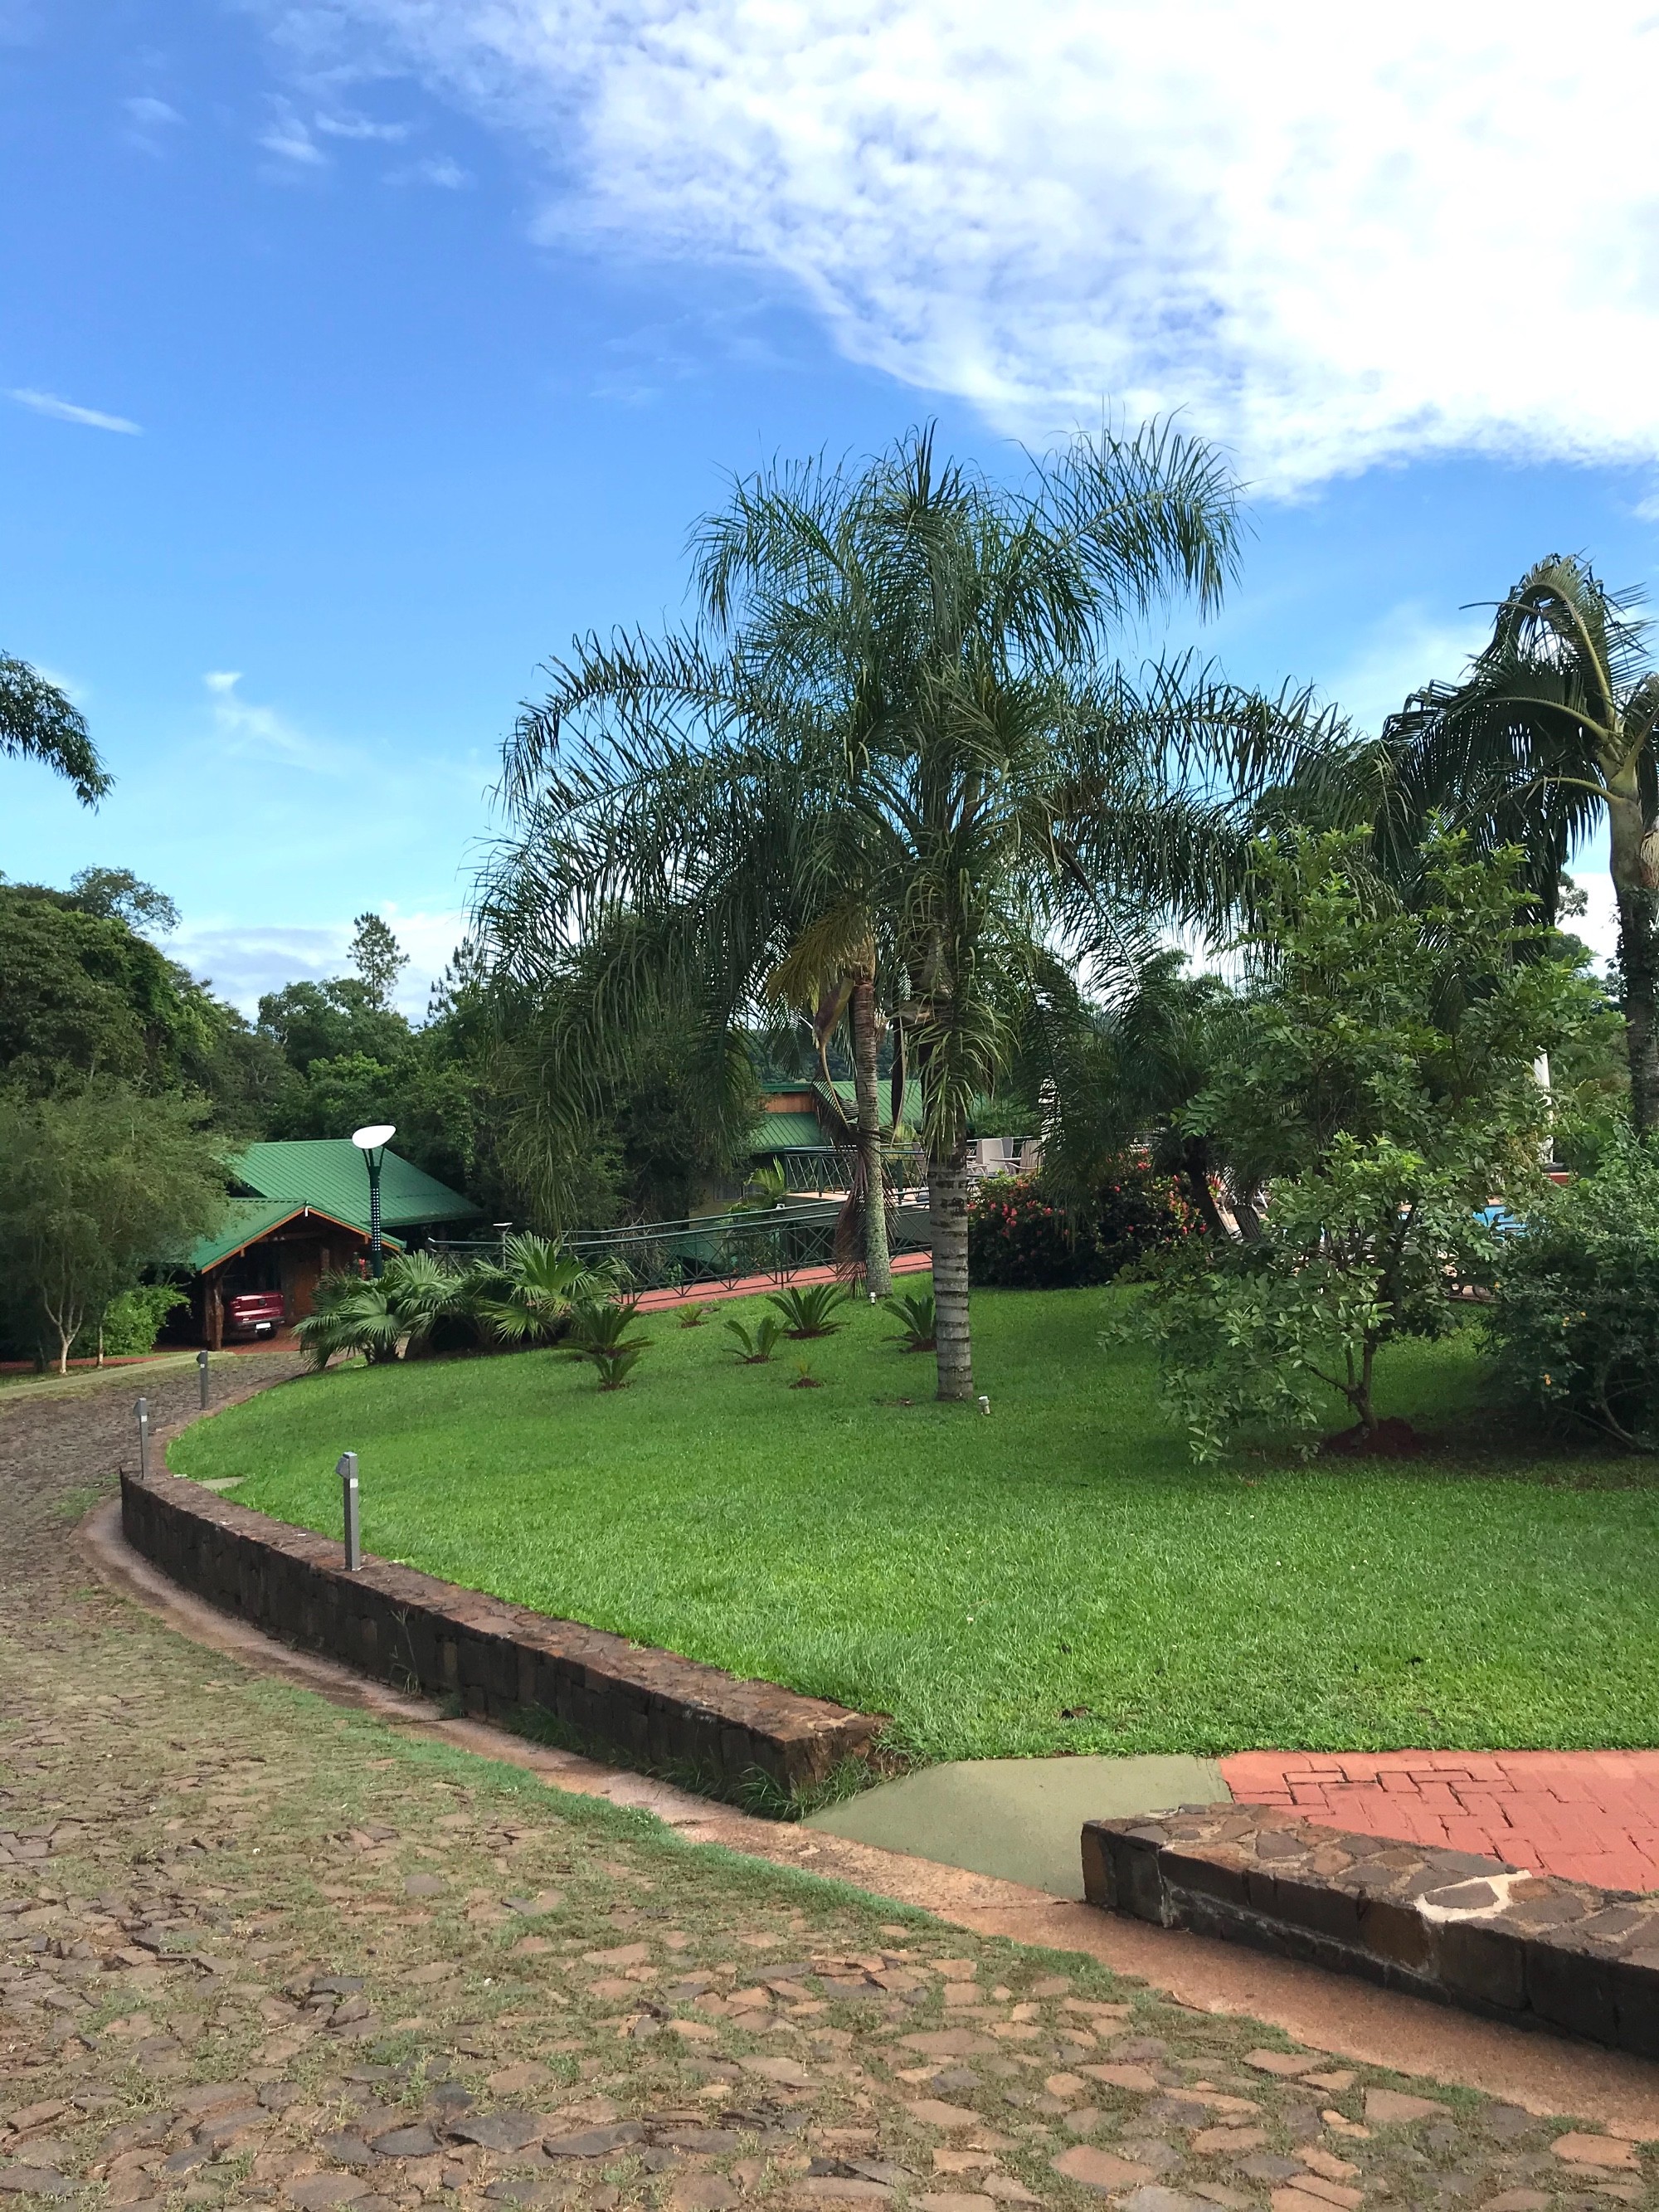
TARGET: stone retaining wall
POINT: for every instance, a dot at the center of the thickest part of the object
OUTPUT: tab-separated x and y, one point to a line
746	1741
1532	1949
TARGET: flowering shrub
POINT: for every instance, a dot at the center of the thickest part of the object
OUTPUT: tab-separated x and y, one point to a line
1022	1238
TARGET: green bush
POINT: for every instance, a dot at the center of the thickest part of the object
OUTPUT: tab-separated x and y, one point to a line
1574	1323
132	1322
1021	1237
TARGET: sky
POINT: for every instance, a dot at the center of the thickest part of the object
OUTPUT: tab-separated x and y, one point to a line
358	354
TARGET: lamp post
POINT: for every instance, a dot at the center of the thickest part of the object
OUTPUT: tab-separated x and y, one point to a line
372	1143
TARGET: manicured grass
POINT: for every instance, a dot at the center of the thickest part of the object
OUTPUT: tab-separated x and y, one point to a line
1055	1577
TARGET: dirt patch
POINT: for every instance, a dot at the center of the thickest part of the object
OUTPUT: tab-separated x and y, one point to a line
1390	1439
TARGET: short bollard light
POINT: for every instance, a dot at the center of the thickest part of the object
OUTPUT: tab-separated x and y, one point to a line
346	1468
984	1404
201	1377
142	1409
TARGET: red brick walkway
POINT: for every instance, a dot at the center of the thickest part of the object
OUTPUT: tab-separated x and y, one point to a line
1589	1815
750	1287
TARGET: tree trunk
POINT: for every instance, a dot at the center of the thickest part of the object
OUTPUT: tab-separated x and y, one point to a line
1635	871
861	1020
1196	1174
1244	1195
947	1200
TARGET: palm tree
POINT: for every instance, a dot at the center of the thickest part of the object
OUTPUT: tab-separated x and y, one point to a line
1553	729
899	707
39	722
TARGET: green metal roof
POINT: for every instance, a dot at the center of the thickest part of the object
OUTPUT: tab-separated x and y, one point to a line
847	1093
784	1132
328	1173
248	1219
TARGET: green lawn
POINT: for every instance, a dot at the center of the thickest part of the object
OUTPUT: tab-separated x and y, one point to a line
1055	1577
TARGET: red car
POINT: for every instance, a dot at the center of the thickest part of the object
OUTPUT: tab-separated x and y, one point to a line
254	1313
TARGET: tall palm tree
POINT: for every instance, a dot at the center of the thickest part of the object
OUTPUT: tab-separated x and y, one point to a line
39	722
902	695
1552	729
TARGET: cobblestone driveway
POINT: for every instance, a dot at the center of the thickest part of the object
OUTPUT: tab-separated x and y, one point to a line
256	1950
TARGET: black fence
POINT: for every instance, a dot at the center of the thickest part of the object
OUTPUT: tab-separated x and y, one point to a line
825	1167
723	1249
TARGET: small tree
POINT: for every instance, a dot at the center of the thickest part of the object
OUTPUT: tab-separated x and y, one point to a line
1384	1070
378	958
94	1187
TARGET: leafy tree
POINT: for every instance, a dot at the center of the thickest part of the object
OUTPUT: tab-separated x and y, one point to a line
82	994
1384	1072
613	1111
117	893
1551	732
95	1186
39	722
341	1018
904	670
1574	1323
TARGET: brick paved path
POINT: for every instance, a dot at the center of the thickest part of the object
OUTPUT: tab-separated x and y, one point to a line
1589	1815
749	1286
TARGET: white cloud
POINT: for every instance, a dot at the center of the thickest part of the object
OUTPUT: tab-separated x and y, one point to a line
1334	235
437	169
1406	649
1599	924
147	114
65	410
261	732
288	136
361	126
245	960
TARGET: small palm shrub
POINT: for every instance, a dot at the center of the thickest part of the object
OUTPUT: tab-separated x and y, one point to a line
806	1310
350	1313
530	1296
914	1311
756	1346
599	1335
693	1316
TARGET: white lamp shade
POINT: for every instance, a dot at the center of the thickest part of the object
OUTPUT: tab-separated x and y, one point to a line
377	1133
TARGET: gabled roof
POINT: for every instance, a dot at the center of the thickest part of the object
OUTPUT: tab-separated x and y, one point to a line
328	1175
248	1219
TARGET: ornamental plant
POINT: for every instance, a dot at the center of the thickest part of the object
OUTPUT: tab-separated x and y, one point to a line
1574	1322
1384	1070
1024	1236
599	1335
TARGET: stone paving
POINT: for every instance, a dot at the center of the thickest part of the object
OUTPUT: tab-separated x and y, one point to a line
257	1951
1587	1815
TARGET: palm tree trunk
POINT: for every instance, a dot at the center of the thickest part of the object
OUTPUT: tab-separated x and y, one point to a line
947	1201
1636	891
1196	1174
861	1020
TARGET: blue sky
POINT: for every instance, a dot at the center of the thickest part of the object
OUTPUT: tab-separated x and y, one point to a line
436	323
